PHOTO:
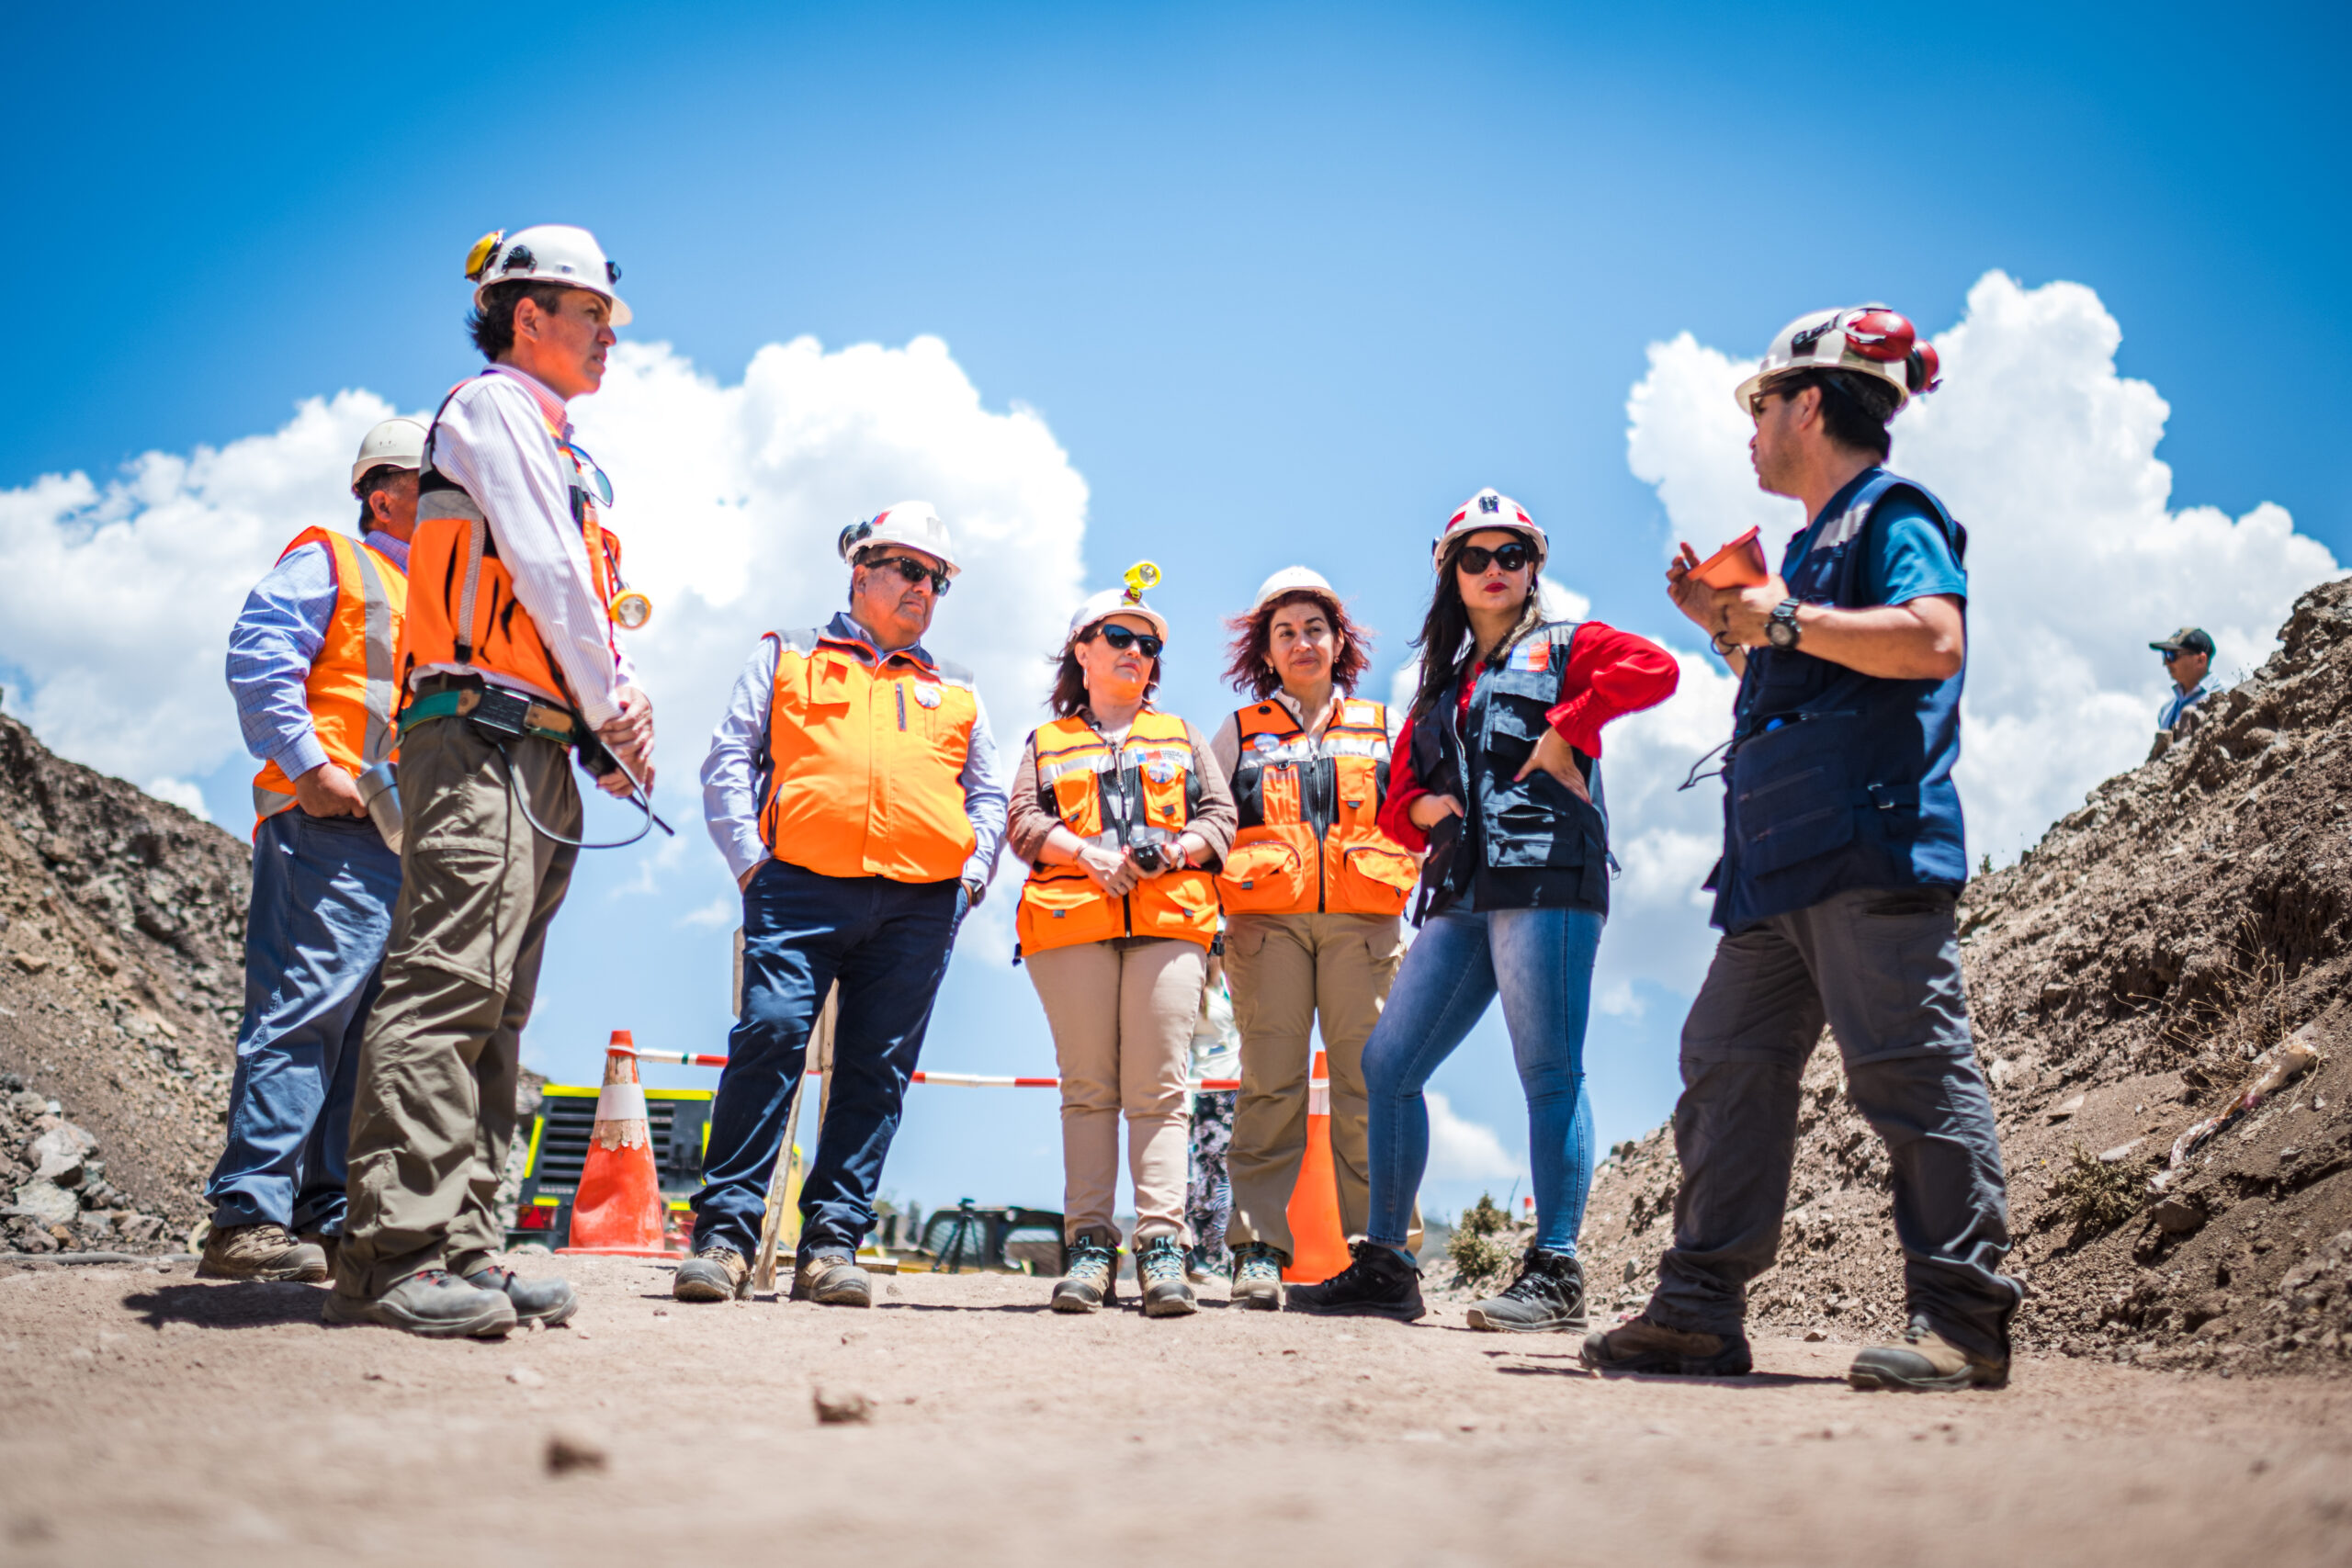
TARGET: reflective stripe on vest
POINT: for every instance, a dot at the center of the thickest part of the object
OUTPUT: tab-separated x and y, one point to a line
466	611
1309	839
1149	781
350	691
864	761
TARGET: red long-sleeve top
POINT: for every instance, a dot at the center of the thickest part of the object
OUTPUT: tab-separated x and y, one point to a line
1610	673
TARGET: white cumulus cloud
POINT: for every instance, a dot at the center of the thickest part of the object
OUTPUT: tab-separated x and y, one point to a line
1464	1150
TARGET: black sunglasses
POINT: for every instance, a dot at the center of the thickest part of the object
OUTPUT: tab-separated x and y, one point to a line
1125	637
1511	558
914	571
2171	653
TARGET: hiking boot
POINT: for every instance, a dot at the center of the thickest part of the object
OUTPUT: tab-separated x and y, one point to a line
1379	1283
432	1303
330	1246
1258	1278
1546	1298
1159	1275
713	1274
260	1251
1925	1362
544	1302
1093	1277
834	1280
1642	1345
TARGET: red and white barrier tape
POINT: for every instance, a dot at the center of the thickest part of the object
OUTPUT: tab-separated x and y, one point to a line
946	1080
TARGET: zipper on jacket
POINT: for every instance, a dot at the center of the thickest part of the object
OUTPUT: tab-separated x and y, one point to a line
900	687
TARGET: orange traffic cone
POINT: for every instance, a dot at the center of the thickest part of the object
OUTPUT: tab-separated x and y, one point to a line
619	1207
1319	1246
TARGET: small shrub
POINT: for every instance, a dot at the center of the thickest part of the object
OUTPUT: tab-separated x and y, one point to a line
1480	1248
2094	1195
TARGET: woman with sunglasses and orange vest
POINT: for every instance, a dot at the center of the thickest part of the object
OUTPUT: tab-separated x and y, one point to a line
1123	816
1499	776
1313	892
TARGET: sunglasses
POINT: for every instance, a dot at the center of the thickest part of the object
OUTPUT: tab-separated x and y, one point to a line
2173	653
1121	639
589	475
914	571
1511	558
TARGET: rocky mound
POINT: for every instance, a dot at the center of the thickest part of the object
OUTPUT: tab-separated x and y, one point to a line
121	957
2186	932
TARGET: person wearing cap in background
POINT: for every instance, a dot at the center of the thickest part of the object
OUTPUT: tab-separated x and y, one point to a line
310	668
1314	895
2188	657
1843	857
1123	814
508	661
854	788
1501	779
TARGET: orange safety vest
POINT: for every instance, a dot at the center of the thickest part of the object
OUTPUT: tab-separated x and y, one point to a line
350	690
466	611
1148	780
1309	840
864	761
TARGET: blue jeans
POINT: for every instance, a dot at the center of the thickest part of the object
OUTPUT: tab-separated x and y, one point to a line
1541	963
321	912
887	943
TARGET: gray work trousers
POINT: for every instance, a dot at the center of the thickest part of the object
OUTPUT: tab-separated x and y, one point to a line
1882	967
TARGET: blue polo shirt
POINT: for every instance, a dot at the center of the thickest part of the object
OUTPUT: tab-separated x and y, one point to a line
1859	794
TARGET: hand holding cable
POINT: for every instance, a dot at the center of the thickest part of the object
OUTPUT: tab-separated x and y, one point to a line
629	737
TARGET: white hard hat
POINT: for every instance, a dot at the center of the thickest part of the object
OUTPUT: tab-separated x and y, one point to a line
1489	509
1870	339
394	444
914	523
545	253
1127	600
1293	579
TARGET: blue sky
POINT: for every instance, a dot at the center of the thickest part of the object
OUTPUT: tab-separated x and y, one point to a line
1283	282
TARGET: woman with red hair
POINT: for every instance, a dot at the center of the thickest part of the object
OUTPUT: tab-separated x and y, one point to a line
1313	892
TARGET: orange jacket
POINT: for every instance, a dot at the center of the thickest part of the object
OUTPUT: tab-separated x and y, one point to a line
1150	786
864	761
1309	840
466	611
350	691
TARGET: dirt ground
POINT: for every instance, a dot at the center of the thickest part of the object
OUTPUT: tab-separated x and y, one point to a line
153	1417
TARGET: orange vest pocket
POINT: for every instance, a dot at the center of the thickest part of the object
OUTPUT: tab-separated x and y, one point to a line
1263	877
1375	879
1063	911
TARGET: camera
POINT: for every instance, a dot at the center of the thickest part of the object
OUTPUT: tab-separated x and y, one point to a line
1150	857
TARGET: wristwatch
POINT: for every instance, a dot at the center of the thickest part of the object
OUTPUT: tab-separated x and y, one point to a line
1781	631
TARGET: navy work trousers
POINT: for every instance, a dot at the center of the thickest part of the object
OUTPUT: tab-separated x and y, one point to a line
1882	967
321	912
887	943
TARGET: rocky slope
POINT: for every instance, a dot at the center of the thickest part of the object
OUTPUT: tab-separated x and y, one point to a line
2128	975
121	954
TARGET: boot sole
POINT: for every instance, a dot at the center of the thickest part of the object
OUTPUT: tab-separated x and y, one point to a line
1171	1306
1873	1380
307	1275
1658	1363
548	1317
1412	1313
492	1323
1259	1300
684	1287
1578	1325
1071	1301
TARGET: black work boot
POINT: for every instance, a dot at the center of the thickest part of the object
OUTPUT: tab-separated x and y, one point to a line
1642	1345
1379	1283
544	1302
1924	1362
430	1302
1546	1298
1160	1276
1258	1278
1093	1278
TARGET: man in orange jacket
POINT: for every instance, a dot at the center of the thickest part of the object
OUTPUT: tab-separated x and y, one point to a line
509	662
310	665
854	789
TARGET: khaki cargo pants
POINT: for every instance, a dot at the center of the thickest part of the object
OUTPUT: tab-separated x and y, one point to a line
1288	973
435	1111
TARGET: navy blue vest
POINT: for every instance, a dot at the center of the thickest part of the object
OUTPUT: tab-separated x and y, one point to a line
1834	779
1528	843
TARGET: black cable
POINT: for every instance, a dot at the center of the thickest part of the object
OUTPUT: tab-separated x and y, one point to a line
637	797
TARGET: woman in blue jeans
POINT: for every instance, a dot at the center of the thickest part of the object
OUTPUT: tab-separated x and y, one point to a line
1500	782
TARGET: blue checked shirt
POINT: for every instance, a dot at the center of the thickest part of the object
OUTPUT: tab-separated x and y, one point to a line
277	635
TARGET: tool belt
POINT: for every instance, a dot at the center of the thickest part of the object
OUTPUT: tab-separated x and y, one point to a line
494	709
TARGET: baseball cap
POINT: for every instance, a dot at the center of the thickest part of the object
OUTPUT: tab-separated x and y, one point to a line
2188	639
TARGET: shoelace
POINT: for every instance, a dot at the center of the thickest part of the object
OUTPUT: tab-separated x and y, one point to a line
1258	1266
1163	1263
1090	1260
1533	1281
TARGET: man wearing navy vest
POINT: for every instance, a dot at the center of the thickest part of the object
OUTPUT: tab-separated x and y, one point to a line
1842	863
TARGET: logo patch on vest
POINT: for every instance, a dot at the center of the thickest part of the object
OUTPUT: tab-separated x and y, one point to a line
927	696
1536	654
1262	741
